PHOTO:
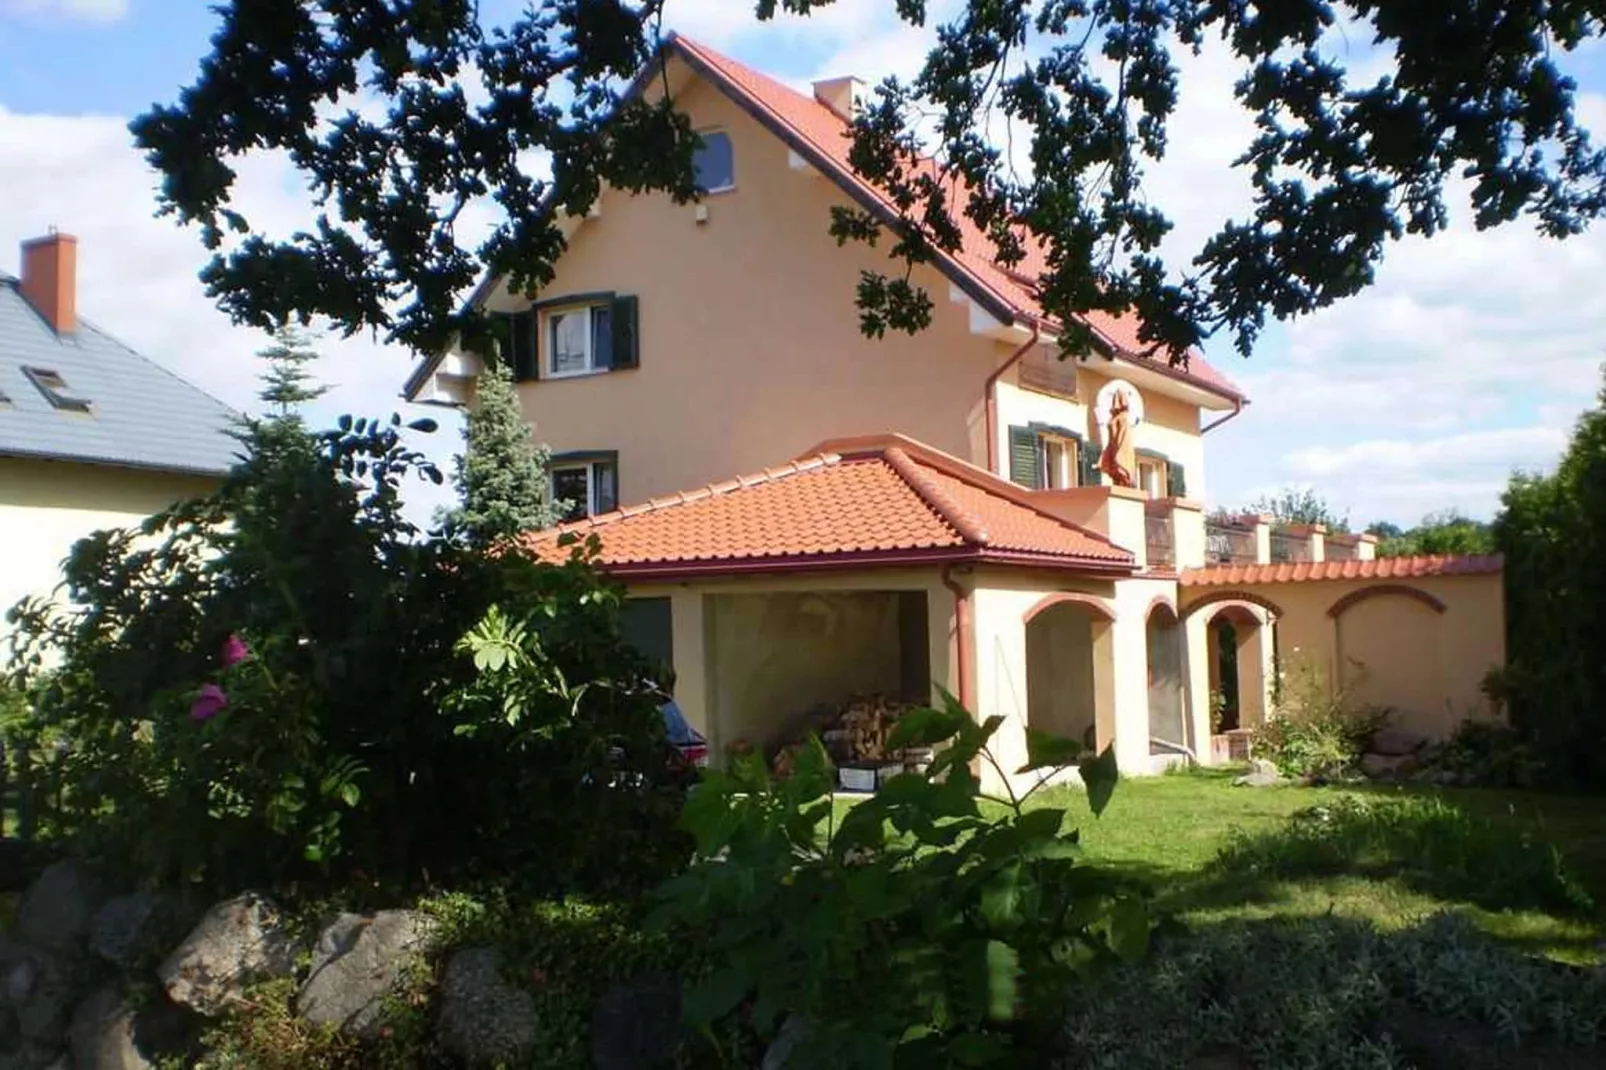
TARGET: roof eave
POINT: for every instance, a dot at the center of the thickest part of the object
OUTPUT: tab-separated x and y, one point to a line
715	568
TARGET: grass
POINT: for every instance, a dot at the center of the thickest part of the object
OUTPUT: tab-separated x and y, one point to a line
1190	839
1171	833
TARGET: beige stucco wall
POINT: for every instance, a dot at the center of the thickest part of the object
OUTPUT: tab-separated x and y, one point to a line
46	506
750	344
1394	650
749	337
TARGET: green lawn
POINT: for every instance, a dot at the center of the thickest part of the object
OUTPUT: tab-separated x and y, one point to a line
1164	831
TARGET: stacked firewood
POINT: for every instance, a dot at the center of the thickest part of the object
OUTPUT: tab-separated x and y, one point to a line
859	731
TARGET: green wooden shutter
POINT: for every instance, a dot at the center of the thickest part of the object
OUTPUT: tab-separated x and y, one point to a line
626	342
1176	480
1025	458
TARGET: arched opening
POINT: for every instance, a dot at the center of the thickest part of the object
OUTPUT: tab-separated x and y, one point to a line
1238	656
1168	717
1061	685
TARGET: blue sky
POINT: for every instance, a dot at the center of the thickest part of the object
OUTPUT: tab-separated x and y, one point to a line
1472	355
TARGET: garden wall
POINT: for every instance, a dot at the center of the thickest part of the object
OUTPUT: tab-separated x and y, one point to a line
1420	645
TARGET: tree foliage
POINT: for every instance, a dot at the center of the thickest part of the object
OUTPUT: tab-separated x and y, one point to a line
288	383
502	475
1552	532
1447	532
1295	505
1471	96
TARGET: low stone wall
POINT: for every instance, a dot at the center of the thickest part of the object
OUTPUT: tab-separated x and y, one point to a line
75	953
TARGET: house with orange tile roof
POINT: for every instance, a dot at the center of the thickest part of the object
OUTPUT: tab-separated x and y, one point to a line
803	513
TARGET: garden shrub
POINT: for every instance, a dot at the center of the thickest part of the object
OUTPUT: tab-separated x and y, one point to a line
1318	993
1315	731
270	687
1487	754
921	929
1428	843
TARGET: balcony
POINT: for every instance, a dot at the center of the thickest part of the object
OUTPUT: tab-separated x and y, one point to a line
1229	543
1343	548
1287	547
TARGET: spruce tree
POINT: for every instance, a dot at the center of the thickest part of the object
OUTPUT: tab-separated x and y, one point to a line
501	475
288	384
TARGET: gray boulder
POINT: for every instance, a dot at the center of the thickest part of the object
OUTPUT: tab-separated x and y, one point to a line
1262	774
1394	742
238	942
55	913
636	1025
101	1036
794	1031
483	1018
37	990
115	931
357	962
1388	766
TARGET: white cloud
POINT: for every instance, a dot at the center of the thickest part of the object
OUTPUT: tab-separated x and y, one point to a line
80	10
137	273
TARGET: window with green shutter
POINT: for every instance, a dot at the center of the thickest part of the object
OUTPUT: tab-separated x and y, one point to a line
582	334
1025	457
626	346
1176	479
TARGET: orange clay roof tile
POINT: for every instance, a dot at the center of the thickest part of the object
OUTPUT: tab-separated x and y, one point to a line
1383	568
888	500
822	130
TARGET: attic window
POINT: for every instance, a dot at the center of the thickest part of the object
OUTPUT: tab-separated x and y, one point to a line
55	389
714	163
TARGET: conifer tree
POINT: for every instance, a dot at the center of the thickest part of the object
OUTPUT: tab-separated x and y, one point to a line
502	474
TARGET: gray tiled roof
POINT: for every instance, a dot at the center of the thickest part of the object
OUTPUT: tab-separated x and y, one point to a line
141	415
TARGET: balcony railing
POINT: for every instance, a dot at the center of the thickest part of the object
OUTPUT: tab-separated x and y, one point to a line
1227	544
1341	548
1161	535
1289	548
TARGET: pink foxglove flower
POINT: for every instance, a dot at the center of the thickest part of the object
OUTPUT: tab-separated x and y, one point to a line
209	703
234	650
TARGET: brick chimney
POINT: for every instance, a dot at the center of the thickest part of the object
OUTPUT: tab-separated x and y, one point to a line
50	279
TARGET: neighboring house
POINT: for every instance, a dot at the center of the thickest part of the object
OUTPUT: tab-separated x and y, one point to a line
92	435
680	345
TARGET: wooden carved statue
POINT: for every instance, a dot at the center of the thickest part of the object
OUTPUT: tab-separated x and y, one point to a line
1119	461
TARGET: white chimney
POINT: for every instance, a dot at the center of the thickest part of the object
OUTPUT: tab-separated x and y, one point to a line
846	96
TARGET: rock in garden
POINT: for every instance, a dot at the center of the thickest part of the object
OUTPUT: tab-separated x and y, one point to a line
1388	766
55	913
637	1024
1262	774
115	931
357	962
1393	741
483	1018
36	993
794	1031
238	942
102	1034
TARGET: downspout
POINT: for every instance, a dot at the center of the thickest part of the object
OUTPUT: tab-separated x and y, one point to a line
990	396
963	628
1237	407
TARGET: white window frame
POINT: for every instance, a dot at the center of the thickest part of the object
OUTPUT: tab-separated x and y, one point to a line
549	349
1061	475
1161	477
727	187
590	470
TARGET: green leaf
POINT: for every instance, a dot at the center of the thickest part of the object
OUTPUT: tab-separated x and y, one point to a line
1129	928
977	1049
1046	751
350	794
1044	822
716	995
812	775
925	727
1099	776
1003	973
1000	896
